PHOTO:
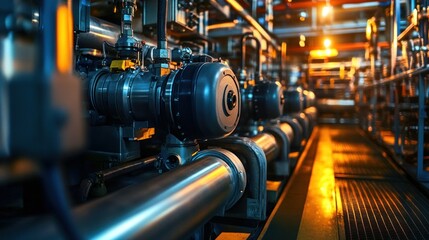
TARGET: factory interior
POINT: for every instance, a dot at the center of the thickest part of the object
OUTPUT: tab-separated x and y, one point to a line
214	119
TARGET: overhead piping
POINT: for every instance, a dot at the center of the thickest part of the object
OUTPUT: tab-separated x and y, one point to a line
249	19
244	39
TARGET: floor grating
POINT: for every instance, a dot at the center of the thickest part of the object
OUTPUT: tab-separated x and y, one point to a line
383	210
376	201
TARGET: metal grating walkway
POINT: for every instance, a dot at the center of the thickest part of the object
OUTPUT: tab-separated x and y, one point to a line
373	198
374	209
346	188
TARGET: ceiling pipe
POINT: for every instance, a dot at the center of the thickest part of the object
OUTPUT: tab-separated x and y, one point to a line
250	20
355	46
309	4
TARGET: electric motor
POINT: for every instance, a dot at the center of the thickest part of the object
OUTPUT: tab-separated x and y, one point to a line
201	100
294	101
262	101
267	100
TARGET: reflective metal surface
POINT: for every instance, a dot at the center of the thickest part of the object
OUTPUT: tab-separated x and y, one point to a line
297	132
201	100
254	201
319	219
206	100
267	142
124	96
284	135
267	100
162	208
102	31
294	100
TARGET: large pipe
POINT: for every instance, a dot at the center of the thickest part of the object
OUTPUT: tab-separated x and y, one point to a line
253	204
297	132
284	135
102	31
170	206
267	142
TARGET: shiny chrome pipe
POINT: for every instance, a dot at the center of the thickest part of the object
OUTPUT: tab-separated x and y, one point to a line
305	124
253	204
169	206
284	136
311	113
102	31
297	132
287	129
267	142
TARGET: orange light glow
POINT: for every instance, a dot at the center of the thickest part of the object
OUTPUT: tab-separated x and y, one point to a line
222	25
324	53
326	11
320	205
64	39
327	43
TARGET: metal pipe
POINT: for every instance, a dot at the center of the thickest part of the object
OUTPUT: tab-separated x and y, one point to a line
305	124
395	21
244	39
102	31
267	142
113	172
162	24
253	204
127	167
249	19
297	132
311	113
283	134
287	129
170	206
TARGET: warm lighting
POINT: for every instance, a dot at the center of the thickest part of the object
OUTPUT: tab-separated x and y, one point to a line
64	39
222	25
327	10
361	5
302	16
302	40
324	53
327	43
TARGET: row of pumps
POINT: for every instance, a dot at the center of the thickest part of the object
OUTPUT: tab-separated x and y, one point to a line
195	140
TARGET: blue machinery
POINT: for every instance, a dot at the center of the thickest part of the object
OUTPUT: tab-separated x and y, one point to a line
89	106
137	119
